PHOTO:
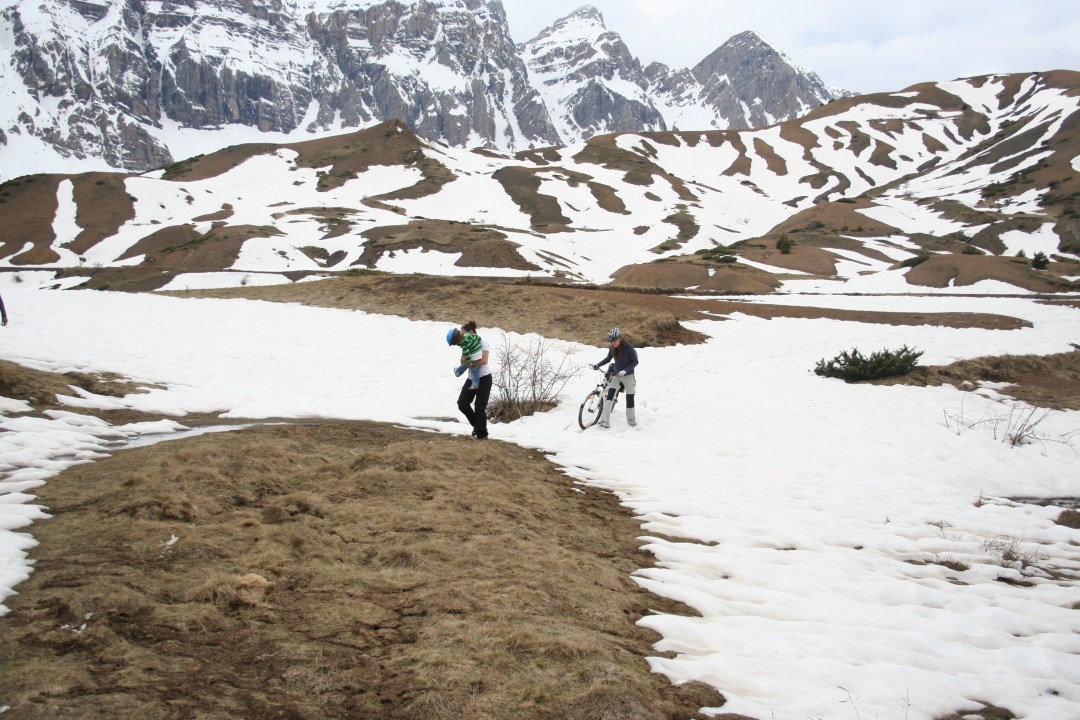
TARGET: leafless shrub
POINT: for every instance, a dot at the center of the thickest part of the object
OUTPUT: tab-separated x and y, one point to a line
941	525
527	381
1018	426
1008	551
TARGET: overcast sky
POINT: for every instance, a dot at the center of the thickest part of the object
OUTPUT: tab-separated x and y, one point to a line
859	45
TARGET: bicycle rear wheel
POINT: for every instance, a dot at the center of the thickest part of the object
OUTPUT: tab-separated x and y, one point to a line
589	412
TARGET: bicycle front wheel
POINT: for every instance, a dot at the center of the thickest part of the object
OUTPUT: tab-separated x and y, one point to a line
589	412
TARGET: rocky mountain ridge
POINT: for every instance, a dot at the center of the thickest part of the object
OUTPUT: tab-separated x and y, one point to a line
945	185
134	86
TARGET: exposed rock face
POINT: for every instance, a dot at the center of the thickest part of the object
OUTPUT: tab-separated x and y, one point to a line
589	79
133	85
745	79
744	83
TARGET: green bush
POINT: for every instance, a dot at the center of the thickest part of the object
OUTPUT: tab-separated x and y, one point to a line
853	366
784	244
1040	261
913	261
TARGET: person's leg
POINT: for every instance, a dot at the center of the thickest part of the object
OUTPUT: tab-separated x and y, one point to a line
474	376
464	403
629	386
480	413
609	400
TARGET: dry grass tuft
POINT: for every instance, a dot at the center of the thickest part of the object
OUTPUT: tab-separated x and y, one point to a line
1069	518
435	705
231	591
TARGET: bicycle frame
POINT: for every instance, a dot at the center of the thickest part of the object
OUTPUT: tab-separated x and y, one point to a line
593	404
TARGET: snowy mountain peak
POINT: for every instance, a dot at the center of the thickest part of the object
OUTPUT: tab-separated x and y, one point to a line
583	27
584	15
590	81
749	83
747	38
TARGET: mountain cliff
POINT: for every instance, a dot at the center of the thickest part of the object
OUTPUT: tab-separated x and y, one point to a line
133	85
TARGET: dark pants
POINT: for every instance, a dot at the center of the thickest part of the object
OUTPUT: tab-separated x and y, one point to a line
475	414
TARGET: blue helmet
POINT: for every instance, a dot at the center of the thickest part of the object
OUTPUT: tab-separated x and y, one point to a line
450	336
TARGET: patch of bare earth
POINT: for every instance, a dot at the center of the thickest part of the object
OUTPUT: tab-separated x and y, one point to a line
337	570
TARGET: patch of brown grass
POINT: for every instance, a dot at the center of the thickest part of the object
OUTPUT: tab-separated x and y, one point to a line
402	575
574	313
639	170
29	206
523	185
959	270
479	246
103	206
40	388
1051	381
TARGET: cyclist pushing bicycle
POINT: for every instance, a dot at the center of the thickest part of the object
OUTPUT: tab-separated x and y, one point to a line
621	378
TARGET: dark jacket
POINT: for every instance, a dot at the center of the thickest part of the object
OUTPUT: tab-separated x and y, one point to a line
625	358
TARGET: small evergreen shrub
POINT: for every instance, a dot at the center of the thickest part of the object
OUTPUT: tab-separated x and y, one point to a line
1040	261
784	244
853	366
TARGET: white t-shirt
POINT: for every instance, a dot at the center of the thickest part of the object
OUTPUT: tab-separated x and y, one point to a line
485	347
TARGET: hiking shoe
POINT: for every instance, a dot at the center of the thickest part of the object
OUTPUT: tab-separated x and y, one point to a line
605	424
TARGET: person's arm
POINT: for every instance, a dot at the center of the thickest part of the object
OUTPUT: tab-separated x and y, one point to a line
3	312
632	357
485	349
605	361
